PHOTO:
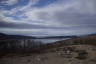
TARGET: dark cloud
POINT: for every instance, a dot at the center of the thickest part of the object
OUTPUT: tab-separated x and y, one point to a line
18	25
3	0
15	25
72	17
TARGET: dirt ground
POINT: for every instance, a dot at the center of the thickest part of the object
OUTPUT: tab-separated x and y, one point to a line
81	54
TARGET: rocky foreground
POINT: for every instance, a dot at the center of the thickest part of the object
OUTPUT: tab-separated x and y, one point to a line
73	54
73	51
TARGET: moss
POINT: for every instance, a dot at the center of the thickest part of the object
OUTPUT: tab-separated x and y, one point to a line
82	55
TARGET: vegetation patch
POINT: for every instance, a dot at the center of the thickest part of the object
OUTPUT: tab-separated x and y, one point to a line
82	55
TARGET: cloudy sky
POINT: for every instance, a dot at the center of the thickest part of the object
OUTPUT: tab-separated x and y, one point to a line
48	17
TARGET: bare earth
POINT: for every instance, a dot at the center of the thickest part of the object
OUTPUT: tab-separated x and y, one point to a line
55	56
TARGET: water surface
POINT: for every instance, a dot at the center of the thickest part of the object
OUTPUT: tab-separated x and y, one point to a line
51	40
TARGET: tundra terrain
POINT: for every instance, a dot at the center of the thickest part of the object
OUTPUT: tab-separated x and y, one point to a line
72	51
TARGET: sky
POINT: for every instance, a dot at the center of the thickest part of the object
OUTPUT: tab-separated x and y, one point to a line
48	17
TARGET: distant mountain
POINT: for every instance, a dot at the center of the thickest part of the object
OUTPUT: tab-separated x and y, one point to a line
6	36
52	37
2	34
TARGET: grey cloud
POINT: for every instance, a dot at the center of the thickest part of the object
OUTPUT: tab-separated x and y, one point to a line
80	19
17	25
8	2
74	18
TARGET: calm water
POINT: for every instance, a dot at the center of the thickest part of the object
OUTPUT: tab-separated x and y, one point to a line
51	40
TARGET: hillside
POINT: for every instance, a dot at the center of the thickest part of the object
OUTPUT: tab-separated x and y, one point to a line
82	40
54	37
4	36
81	50
7	36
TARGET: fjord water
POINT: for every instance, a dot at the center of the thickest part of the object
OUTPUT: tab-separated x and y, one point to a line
51	40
